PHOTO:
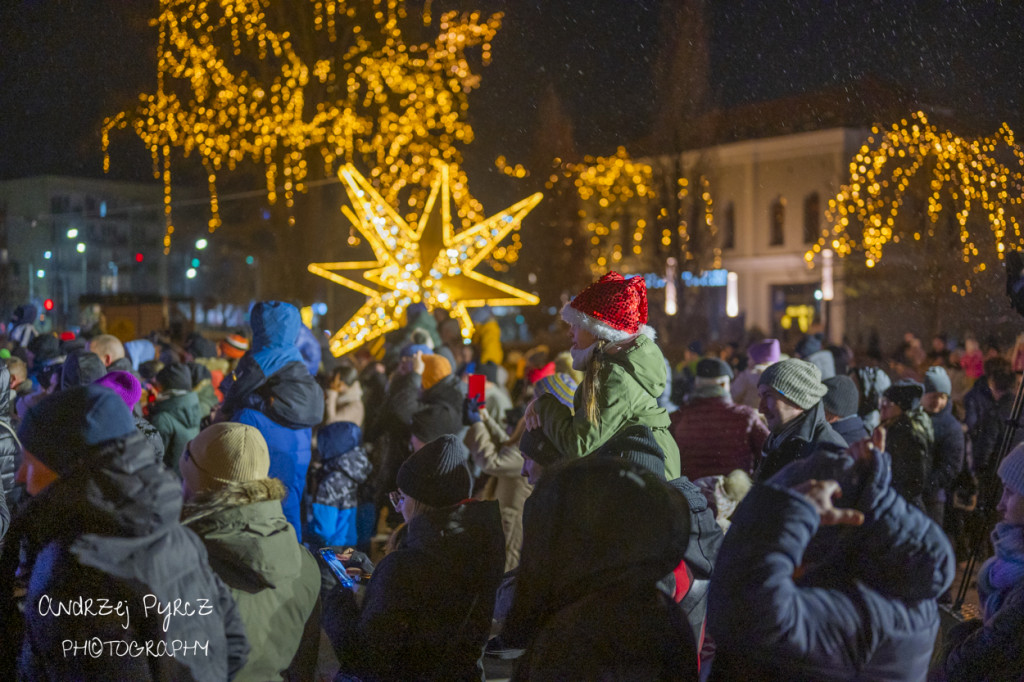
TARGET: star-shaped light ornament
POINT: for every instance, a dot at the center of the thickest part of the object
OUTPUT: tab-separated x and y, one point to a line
426	262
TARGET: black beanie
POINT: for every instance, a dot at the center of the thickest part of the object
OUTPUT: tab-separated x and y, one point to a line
538	447
81	368
713	368
438	473
841	397
435	421
62	429
44	347
175	377
905	393
489	370
636	444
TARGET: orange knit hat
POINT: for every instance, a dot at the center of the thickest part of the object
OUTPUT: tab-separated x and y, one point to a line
435	368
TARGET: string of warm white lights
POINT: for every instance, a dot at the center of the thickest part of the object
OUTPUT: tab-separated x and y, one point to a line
620	201
982	177
284	84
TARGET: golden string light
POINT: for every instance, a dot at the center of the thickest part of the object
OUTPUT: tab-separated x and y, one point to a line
424	262
965	176
286	84
621	202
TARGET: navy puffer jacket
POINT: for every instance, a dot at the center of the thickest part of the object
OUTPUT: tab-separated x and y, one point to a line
863	608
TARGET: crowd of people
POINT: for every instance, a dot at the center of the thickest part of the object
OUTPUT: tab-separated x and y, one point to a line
215	509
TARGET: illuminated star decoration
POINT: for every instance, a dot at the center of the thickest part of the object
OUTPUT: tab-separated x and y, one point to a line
426	262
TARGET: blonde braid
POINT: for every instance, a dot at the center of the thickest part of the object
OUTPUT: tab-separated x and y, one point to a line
592	384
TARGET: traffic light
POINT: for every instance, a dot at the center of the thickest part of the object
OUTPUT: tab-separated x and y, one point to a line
48	305
138	257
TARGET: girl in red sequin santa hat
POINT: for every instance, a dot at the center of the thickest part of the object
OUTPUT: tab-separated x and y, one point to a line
624	372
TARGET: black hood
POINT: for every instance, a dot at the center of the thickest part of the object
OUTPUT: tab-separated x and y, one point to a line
595	523
292	397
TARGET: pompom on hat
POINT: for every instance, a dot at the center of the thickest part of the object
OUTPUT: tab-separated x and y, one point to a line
613	308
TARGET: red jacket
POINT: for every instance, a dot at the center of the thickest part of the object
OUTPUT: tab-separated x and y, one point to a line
716	436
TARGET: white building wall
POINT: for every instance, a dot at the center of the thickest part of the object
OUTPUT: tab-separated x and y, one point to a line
752	175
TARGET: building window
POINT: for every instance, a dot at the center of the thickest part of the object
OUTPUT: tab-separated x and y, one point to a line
812	218
778	222
729	228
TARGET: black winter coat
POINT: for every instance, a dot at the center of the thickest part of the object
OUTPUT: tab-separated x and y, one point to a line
110	530
947	453
796	440
587	604
863	608
427	610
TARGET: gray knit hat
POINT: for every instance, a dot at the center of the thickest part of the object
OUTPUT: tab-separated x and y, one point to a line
1012	470
841	398
798	381
936	380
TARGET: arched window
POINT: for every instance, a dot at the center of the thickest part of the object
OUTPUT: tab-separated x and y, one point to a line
729	227
777	220
812	218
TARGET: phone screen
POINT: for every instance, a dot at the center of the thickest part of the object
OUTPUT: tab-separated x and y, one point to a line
477	386
337	568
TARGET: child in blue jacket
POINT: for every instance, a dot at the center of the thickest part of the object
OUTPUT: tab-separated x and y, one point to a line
344	468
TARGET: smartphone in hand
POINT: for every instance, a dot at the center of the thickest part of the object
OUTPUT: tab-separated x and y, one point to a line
477	387
337	567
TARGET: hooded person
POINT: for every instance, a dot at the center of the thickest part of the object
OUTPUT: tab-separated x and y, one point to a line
427	609
103	523
81	368
138	352
791	393
175	413
587	604
990	648
624	373
795	596
272	389
234	507
344	468
23	328
128	387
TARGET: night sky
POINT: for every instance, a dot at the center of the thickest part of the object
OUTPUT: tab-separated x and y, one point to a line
68	63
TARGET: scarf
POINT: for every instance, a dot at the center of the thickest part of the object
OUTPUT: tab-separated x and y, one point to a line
1003	572
581	356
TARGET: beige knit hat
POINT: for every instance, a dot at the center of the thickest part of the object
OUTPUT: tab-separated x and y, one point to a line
225	453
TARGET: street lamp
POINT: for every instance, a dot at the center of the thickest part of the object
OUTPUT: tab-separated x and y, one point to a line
80	248
201	244
72	233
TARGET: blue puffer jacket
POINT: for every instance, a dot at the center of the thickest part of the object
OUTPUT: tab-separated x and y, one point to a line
864	607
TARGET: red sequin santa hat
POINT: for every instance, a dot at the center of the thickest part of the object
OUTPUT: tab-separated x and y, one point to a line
613	308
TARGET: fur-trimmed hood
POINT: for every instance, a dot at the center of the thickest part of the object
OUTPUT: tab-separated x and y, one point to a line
251	544
230	496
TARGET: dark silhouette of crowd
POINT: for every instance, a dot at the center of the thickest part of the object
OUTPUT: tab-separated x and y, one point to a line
240	505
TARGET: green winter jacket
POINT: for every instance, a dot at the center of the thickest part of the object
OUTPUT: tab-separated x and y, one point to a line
631	380
177	419
274	580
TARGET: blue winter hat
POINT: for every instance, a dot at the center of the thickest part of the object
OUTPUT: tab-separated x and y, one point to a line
414	348
936	380
62	429
338	438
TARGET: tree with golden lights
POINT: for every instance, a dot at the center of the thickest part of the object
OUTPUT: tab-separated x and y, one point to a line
298	88
941	207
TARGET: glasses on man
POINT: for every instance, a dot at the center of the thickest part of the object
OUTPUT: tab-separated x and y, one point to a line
397	499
